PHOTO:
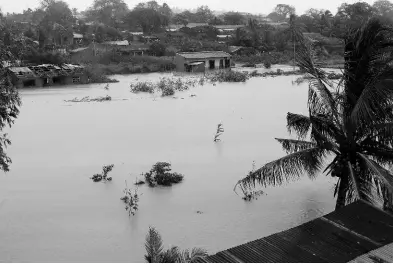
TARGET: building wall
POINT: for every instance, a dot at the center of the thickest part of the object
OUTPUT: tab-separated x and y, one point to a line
179	61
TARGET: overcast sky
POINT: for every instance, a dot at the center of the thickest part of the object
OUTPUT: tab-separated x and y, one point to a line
251	6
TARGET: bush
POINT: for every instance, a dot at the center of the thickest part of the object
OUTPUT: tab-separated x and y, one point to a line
267	64
103	177
97	75
160	175
229	76
144	87
157	49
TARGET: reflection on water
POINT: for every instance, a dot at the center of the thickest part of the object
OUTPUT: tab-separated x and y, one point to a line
52	212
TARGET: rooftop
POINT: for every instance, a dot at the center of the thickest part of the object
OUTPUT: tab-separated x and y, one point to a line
341	236
204	54
46	70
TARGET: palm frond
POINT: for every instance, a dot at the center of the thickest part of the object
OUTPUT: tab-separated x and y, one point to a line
197	253
153	246
292	145
354	181
290	167
172	255
382	174
298	124
373	102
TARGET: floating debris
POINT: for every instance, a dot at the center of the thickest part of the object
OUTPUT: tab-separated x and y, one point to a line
88	99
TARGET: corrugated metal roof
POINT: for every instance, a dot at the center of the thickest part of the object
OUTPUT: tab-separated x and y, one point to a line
382	254
340	236
204	54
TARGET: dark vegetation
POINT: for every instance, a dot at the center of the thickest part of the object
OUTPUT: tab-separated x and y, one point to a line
131	200
220	130
160	174
104	175
88	99
155	252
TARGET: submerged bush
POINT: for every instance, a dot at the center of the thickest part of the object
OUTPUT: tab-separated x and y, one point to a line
144	87
267	64
160	175
228	76
131	199
104	176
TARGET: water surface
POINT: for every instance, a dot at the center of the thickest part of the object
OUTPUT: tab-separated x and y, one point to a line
50	211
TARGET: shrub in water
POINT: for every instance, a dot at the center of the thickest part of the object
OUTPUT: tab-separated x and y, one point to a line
103	177
161	174
145	87
267	64
229	76
131	199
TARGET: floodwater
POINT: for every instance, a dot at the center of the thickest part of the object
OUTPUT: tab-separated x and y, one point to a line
50	211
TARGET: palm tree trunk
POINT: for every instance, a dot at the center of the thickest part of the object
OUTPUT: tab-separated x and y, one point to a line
342	192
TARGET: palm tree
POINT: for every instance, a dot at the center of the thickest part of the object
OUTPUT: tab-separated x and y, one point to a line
155	251
350	121
296	32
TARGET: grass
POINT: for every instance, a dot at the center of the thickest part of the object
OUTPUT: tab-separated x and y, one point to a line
219	131
160	174
104	176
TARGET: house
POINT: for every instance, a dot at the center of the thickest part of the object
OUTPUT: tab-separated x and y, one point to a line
227	29
47	75
150	39
117	43
176	27
202	61
235	50
77	38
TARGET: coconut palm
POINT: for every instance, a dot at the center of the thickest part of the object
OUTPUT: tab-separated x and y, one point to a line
350	123
155	252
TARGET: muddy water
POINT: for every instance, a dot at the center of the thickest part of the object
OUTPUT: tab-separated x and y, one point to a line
50	211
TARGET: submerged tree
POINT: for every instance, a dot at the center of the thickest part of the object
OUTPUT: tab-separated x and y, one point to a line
351	121
155	252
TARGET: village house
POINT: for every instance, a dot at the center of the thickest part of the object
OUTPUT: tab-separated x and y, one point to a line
47	75
202	61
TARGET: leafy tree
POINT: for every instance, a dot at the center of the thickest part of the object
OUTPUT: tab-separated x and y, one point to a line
157	49
276	17
233	18
108	12
383	8
147	19
155	252
203	14
57	21
350	121
355	14
180	19
284	10
9	97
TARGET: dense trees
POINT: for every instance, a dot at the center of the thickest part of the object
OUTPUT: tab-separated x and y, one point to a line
233	18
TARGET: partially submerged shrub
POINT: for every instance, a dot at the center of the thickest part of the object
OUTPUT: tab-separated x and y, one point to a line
144	87
228	76
161	174
104	176
267	64
131	199
219	131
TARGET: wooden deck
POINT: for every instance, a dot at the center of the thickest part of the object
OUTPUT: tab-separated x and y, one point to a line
341	236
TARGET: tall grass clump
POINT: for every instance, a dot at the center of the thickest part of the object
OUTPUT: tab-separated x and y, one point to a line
160	174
